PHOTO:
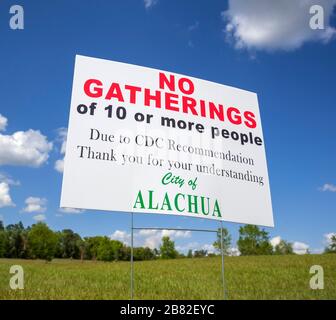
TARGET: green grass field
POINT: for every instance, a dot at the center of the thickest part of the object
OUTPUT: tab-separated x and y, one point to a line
263	277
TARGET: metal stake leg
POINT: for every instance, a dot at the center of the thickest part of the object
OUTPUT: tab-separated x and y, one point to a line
222	251
132	264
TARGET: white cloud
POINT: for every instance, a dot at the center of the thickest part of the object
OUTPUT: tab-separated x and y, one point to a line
174	234
24	148
196	246
300	247
150	3
62	136
275	24
209	248
328	236
149	238
152	238
3	123
5	198
189	246
35	204
328	187
275	241
5	183
122	236
234	252
59	165
39	217
5	178
71	210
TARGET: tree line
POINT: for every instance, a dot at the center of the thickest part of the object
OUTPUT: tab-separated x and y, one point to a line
40	242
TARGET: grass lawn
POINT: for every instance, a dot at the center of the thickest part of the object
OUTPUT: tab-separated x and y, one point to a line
263	277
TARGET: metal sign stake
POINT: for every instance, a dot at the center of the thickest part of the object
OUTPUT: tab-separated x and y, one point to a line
132	262
222	251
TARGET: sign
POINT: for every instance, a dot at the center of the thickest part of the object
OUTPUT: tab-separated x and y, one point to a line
151	141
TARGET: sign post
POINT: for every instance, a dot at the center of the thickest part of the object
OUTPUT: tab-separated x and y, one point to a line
222	253
175	229
132	262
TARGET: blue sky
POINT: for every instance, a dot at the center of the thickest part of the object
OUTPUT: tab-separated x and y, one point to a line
290	66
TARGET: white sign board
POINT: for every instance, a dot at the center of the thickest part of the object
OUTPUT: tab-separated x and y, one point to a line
151	141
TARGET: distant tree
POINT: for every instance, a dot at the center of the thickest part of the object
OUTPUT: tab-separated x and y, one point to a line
142	253
139	253
69	244
333	242
283	248
42	242
125	253
91	247
116	246
105	251
332	246
59	249
17	238
109	250
3	240
226	241
167	249
190	254
81	246
200	253
148	254
3	243
253	241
